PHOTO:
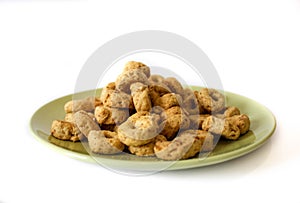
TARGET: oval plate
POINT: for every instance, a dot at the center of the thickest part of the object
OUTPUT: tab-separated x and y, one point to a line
262	127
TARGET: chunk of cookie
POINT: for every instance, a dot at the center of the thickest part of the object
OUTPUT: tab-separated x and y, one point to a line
225	127
174	85
168	100
129	77
141	97
132	65
139	129
64	130
241	121
175	119
147	149
196	121
211	100
156	79
184	146
107	90
104	142
229	112
190	102
110	116
85	123
143	150
157	90
116	99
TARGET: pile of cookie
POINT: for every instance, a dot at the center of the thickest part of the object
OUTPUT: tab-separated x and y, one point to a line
149	115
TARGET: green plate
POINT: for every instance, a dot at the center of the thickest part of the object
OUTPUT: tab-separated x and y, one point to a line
262	127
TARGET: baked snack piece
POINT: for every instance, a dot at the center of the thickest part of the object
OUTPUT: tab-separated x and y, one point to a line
147	149
168	100
155	78
190	102
211	100
85	123
196	121
132	65
229	112
104	142
143	150
175	119
157	90
116	99
184	146
141	97
139	129
230	128
174	85
129	77
110	116
64	130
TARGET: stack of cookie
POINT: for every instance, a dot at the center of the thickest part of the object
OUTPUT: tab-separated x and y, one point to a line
149	115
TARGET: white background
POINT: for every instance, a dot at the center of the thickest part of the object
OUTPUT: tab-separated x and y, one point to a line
254	45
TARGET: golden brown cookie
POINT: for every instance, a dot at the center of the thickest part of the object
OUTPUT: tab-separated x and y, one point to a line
241	121
175	119
132	65
156	78
110	116
174	85
184	146
64	130
229	111
168	100
129	77
227	128
147	149
85	123
143	150
107	90
196	121
190	102
139	129
211	100
104	142
157	90
116	99
141	97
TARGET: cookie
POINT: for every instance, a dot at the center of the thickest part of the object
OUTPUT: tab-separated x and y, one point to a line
85	123
104	142
211	100
129	77
175	119
174	85
64	130
139	129
141	97
132	65
227	128
184	146
110	116
116	99
168	100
